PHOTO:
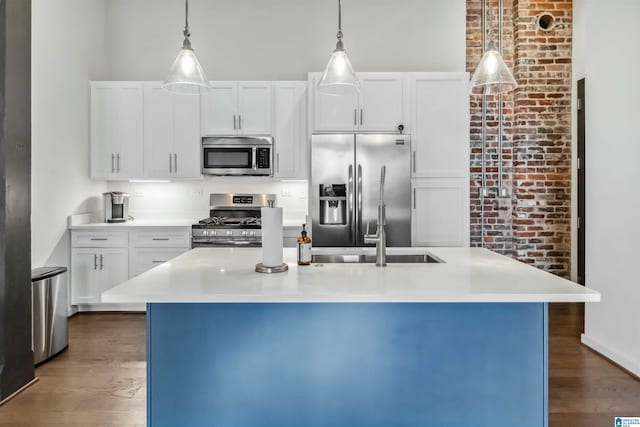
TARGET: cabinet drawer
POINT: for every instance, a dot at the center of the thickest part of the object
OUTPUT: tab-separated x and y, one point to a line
143	259
99	239
161	238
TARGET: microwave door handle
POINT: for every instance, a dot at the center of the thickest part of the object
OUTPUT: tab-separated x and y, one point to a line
254	151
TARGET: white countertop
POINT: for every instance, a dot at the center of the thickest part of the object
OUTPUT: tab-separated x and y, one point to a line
467	275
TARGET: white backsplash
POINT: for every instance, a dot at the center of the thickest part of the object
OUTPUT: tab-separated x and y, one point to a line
190	199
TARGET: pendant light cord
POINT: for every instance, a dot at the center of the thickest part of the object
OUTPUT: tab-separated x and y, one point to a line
186	19
483	141
500	106
339	35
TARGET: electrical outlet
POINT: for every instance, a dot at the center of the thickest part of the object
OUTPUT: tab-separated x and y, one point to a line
138	193
197	192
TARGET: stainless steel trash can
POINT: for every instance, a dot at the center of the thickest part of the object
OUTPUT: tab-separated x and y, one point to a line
49	333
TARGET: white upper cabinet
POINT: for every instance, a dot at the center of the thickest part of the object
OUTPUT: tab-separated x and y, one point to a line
379	106
220	109
381	101
290	131
254	108
440	117
237	108
116	130
171	134
333	113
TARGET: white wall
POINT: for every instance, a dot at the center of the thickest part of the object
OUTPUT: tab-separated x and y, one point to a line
608	58
68	49
284	39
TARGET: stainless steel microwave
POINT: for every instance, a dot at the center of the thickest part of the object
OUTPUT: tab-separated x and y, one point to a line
237	155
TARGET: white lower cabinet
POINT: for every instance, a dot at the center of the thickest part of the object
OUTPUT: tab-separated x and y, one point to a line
103	259
94	270
440	214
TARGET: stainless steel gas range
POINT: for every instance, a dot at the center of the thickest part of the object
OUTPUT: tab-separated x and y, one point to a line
234	220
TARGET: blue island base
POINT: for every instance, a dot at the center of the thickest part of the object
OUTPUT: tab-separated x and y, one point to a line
346	365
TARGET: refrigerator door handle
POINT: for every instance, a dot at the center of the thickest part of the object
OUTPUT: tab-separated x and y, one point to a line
359	204
350	201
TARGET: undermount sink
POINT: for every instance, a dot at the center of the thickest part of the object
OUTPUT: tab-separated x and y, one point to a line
366	259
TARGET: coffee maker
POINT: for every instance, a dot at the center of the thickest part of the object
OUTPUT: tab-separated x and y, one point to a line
116	206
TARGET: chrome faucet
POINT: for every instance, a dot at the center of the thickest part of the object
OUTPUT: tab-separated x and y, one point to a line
380	238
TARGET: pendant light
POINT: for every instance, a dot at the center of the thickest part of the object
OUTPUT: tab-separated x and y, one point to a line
186	75
339	73
492	77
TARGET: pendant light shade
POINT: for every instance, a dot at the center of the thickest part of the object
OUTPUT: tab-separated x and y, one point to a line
186	75
492	77
338	74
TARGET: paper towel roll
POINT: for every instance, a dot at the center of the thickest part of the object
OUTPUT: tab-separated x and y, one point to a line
272	237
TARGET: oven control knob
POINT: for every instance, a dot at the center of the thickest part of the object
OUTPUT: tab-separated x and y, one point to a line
229	233
212	232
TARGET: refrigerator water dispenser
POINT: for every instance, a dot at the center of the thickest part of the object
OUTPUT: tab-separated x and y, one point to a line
333	204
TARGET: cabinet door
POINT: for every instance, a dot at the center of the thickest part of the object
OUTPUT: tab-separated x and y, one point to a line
290	111
440	212
159	131
116	130
333	113
440	130
187	142
129	131
103	122
84	277
219	109
113	266
254	108
381	102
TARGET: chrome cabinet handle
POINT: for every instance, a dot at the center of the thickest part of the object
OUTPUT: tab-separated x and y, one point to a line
355	117
234	122
160	238
239	121
170	164
157	261
118	162
414	197
99	238
95	261
175	163
413	161
277	162
101	262
113	159
361	115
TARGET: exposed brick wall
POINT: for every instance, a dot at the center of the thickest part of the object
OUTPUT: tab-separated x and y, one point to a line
534	224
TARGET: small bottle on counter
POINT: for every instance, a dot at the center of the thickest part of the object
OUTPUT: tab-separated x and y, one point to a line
304	247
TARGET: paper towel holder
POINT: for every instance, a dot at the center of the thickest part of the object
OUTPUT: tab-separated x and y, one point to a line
261	268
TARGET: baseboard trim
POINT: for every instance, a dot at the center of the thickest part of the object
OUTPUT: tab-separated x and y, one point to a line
111	307
629	365
20	390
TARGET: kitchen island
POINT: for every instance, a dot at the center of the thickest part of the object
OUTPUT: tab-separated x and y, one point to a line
462	342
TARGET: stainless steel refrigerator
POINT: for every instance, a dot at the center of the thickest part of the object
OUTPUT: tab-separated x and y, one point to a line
345	184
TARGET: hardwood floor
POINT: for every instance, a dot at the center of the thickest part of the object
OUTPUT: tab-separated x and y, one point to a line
100	379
